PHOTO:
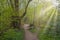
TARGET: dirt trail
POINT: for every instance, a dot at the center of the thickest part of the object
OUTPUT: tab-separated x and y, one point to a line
29	35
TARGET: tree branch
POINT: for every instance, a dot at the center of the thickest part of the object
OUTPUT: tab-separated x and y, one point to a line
26	9
16	4
12	4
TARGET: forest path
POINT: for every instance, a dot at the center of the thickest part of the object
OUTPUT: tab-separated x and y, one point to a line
29	35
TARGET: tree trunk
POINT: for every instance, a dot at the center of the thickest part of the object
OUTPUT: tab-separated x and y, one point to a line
16	19
58	22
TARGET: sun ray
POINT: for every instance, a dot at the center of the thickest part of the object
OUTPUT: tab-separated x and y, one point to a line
55	23
55	18
43	11
46	27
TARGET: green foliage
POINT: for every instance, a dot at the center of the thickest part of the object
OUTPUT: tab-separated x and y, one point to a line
5	22
12	34
32	29
33	16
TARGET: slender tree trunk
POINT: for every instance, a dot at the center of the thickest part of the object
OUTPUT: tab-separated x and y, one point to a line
16	6
58	23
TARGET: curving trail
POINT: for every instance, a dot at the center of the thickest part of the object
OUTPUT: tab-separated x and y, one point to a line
29	35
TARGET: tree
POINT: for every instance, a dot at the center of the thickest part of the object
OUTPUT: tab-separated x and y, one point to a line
15	6
58	22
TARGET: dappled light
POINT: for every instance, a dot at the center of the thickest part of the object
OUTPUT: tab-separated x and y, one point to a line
29	19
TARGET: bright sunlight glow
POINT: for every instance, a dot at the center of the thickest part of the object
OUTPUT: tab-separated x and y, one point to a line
48	22
54	4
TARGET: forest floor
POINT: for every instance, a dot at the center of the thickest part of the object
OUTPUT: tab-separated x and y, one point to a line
29	35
